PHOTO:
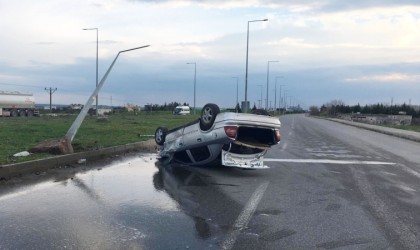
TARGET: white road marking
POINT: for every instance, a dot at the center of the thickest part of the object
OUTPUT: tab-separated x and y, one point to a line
406	188
390	217
244	217
409	170
283	146
388	173
328	161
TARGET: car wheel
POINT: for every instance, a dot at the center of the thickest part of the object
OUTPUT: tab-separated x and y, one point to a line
160	135
208	115
22	113
14	113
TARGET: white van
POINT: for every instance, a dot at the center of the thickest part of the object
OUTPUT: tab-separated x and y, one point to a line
182	110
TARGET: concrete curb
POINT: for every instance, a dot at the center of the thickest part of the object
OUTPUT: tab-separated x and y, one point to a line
405	134
36	166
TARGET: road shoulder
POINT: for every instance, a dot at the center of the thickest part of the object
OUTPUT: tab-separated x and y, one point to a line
405	134
42	165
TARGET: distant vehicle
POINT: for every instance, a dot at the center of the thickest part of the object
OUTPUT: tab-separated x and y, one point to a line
182	110
235	139
17	104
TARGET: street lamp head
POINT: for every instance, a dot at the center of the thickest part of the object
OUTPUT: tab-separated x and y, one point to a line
91	29
258	20
145	46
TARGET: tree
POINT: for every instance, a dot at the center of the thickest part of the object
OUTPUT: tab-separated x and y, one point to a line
333	107
357	108
366	109
313	110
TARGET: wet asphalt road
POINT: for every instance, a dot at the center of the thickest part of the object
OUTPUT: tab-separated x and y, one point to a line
329	186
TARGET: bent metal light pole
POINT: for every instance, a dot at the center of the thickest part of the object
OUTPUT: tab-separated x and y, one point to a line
76	124
246	67
97	31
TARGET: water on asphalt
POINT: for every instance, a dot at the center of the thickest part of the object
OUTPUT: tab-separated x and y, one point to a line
132	203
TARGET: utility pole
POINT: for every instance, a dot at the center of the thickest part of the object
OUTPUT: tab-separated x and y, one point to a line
50	91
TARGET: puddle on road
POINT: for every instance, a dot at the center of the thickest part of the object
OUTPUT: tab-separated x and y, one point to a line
133	204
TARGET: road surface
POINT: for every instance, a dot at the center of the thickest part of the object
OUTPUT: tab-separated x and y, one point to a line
329	186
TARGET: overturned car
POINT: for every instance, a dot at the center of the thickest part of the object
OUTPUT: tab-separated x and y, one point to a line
235	139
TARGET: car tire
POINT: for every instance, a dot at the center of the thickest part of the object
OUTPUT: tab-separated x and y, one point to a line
14	113
208	116
160	135
22	113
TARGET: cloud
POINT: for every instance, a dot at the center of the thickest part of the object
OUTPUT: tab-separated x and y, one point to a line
45	43
392	77
108	42
9	77
341	6
295	6
294	42
320	45
300	43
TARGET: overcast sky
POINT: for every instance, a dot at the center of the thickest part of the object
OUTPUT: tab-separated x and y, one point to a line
357	51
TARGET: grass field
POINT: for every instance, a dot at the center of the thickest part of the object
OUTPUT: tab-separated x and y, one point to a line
415	128
20	134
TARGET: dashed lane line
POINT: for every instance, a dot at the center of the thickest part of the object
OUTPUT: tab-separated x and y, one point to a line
283	146
244	217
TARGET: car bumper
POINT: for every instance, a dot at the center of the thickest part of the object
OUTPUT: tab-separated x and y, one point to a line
250	161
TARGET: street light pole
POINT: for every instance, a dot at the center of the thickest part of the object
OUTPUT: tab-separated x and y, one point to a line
280	97
237	89
275	92
195	79
268	77
79	119
246	67
285	100
261	95
97	36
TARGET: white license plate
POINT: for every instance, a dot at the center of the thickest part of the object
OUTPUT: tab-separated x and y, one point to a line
253	161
